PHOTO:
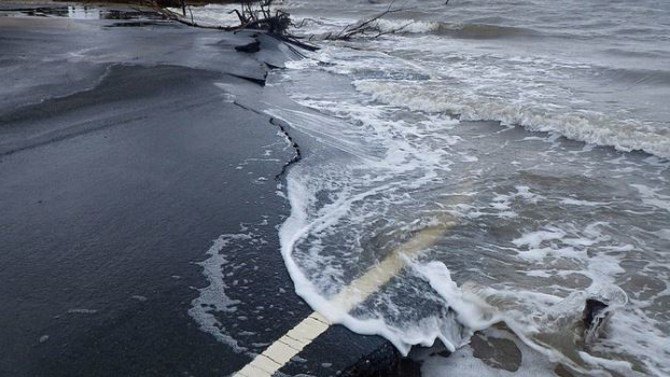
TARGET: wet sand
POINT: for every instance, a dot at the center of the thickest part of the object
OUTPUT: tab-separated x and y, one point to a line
121	160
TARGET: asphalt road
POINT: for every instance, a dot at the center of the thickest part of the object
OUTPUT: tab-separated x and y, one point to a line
121	161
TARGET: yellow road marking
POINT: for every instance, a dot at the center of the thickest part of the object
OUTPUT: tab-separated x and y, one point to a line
293	342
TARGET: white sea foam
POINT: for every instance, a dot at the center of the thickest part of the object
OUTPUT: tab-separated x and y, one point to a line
407	26
213	298
577	202
82	311
652	197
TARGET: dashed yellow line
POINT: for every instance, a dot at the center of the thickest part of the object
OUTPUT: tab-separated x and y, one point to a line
294	341
286	347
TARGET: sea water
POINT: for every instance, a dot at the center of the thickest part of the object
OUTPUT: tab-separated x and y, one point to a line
483	163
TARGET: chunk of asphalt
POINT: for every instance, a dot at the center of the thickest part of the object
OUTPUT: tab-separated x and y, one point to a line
249	48
341	352
595	317
498	353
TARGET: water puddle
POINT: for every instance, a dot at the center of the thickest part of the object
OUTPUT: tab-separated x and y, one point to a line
86	12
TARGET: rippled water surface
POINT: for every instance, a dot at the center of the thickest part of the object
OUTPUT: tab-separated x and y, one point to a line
492	161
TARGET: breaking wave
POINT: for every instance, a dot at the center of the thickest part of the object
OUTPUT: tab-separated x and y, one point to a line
456	30
588	126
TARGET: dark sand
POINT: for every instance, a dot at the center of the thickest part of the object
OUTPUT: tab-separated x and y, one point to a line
119	165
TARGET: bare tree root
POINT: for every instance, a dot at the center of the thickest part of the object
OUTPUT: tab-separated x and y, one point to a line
250	18
365	28
258	15
252	15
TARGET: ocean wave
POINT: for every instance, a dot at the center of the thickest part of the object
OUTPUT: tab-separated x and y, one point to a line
587	126
536	92
456	30
323	26
637	76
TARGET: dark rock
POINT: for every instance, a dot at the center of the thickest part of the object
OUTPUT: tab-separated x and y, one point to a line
443	353
254	80
386	361
562	371
595	316
250	48
498	353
